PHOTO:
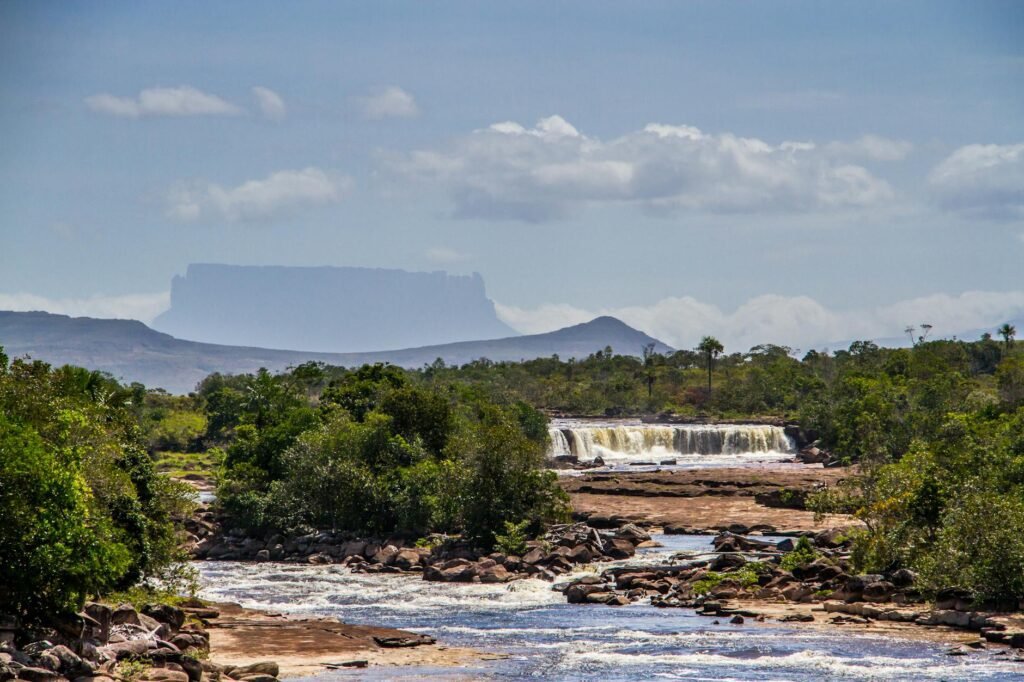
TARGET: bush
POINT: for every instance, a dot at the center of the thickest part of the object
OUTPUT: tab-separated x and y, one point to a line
801	555
513	542
83	510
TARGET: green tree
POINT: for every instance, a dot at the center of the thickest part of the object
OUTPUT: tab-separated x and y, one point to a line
1007	331
711	348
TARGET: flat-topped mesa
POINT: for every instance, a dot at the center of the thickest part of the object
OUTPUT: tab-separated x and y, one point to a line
329	309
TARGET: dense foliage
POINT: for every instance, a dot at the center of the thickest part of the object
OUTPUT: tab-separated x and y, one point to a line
936	431
373	451
82	510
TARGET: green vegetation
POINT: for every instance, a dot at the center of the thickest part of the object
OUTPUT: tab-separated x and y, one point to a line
801	555
83	509
938	432
373	451
513	542
746	576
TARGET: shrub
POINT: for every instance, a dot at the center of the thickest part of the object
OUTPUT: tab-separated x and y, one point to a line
513	542
801	555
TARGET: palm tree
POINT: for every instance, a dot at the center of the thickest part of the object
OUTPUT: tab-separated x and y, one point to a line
710	347
1007	331
650	367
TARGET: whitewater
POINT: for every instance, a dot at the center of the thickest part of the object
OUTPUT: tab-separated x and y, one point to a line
548	639
626	442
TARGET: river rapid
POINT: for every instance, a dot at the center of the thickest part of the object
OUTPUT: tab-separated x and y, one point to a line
548	639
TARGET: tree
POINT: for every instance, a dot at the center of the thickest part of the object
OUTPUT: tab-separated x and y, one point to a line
1007	331
711	348
650	367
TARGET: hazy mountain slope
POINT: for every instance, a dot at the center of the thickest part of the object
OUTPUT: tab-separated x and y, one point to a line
328	309
132	351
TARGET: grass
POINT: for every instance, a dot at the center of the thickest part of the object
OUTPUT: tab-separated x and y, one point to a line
746	576
182	464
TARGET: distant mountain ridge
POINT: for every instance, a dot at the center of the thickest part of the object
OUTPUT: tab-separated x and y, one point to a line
131	351
328	309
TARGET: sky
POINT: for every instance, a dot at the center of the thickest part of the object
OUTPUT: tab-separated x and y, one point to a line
787	172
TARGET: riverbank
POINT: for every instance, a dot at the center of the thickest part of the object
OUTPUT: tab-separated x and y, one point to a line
303	646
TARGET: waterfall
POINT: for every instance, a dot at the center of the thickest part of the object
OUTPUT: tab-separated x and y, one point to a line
631	440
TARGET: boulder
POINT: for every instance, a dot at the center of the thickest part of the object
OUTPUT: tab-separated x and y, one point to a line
33	674
904	577
831	538
878	591
954	598
165	613
125	614
406	559
534	556
727	562
494	574
163	675
580	554
797	593
261	668
619	548
258	677
69	663
385	556
633	533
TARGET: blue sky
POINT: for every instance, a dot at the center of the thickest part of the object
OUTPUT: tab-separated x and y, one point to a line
790	172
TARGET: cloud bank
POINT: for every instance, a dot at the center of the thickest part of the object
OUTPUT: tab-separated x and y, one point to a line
143	307
180	101
280	193
547	172
796	321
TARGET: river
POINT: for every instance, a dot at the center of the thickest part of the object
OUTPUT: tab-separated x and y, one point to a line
549	639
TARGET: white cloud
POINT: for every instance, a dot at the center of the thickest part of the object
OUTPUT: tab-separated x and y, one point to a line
389	102
180	101
444	255
873	147
551	170
796	321
984	180
254	200
270	103
142	307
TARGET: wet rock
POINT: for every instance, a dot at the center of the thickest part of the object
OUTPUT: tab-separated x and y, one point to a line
797	618
495	574
736	620
786	545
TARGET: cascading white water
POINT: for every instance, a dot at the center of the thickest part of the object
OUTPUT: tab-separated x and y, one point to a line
632	440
